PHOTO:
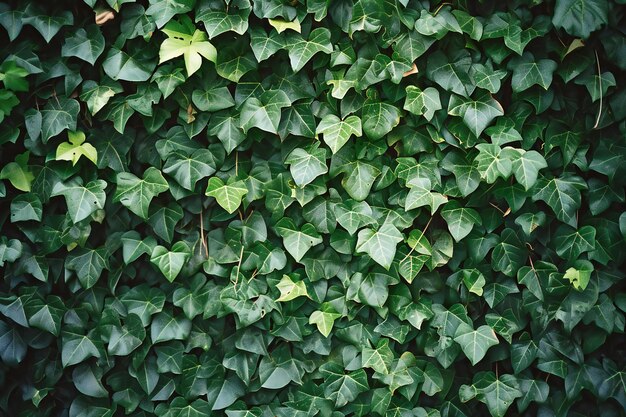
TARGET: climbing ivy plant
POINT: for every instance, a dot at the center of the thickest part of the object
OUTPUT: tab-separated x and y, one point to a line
255	208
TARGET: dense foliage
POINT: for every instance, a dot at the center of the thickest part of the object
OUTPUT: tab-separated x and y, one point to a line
312	208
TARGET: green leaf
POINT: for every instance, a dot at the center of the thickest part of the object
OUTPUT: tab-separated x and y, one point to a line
379	118
136	194
10	250
342	388
307	164
526	168
26	207
475	343
217	22
76	348
58	115
97	96
380	244
477	113
450	73
168	78
88	265
474	281
302	50
498	393
144	301
264	45
420	195
163	10
125	339
580	17
264	113
188	170
337	132
213	99
87	45
136	66
562	194
167	327
359	179
170	262
493	162
228	195
571	243
18	173
422	102
528	72
82	201
579	274
47	26
297	241
378	359
460	220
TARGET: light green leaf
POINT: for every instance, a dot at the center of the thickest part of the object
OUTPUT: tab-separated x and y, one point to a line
183	39
579	274
97	96
422	102
75	148
336	132
359	179
297	242
18	172
290	290
324	320
228	195
378	359
301	50
381	244
307	164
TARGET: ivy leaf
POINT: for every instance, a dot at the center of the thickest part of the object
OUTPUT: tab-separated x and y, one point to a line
297	241
136	194
213	99
359	179
184	39
422	102
324	320
18	172
337	132
380	244
170	262
81	200
498	393
76	348
579	274
264	112
264	45
290	290
168	77
163	10
188	170
460	220
87	45
477	113
97	96
571	243
580	17
133	246
450	73
379	359
26	207
562	194
379	118
165	327
528	72
88	265
420	195
475	343
526	168
47	26
493	162
307	164
10	250
75	148
11	20
58	115
228	195
302	50
136	66
217	22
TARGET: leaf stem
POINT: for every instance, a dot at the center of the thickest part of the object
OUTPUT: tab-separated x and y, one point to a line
600	88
